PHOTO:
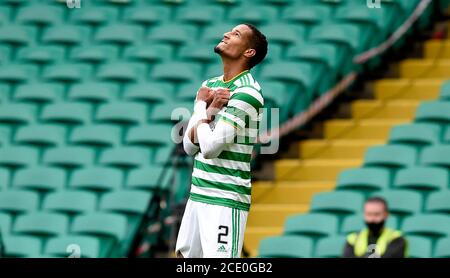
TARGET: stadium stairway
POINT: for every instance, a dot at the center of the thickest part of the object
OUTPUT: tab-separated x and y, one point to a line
345	143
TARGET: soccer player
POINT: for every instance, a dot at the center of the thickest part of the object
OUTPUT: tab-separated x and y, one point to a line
220	135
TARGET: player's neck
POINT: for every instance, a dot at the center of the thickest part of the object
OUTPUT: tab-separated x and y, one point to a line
231	69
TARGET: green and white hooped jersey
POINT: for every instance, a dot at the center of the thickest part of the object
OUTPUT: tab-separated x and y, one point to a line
226	180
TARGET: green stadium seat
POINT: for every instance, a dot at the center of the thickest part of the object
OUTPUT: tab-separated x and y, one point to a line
127	202
70	156
330	247
163	112
254	14
5	178
5	54
320	52
40	178
97	178
122	112
391	156
338	33
202	53
18	73
286	247
41	135
67	113
438	202
101	224
17	113
355	223
307	14
422	179
40	223
419	247
164	155
364	179
214	33
176	72
5	13
5	223
94	53
284	33
18	156
4	92
39	14
173	33
346	37
149	92
70	202
433	112
96	135
119	33
445	91
150	135
147	15
188	91
276	95
17	246
402	202
213	70
121	72
298	76
41	54
340	203
431	225
207	15
69	72
151	53
127	156
275	54
16	34
147	178
39	92
442	248
312	224
94	15
370	22
94	92
436	155
419	134
447	136
66	34
60	246
5	135
18	201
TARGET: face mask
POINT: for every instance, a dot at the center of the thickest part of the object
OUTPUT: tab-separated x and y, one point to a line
375	227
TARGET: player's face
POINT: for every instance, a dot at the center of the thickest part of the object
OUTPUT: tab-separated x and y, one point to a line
234	42
374	212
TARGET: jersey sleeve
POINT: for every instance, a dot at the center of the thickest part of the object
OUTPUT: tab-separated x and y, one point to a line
243	107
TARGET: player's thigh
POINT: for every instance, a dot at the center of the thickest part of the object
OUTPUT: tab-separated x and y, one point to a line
188	240
219	231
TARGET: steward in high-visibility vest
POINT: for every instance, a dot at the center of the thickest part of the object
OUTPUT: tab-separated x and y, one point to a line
388	244
376	240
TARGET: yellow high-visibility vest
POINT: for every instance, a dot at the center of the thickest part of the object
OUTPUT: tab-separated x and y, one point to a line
360	244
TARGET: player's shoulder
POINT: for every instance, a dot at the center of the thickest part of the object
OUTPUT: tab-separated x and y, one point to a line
247	82
208	82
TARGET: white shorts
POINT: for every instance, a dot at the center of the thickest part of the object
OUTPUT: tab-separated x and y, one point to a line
211	231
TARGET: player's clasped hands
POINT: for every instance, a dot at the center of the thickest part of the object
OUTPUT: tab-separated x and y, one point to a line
215	99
